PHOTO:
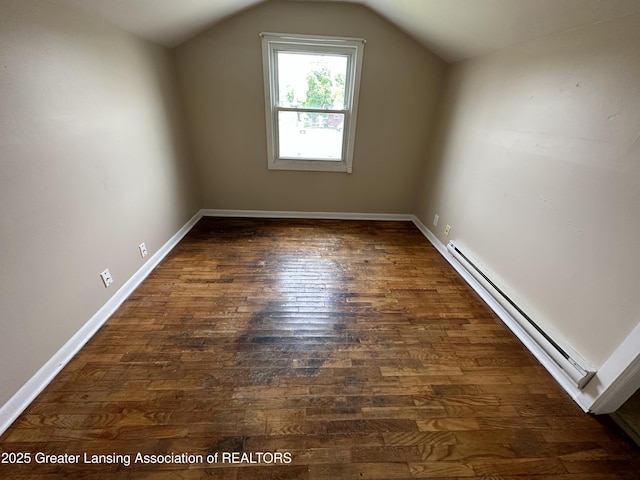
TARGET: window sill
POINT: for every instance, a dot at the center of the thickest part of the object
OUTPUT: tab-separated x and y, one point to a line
310	165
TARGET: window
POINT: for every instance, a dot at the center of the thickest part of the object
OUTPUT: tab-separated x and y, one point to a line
311	99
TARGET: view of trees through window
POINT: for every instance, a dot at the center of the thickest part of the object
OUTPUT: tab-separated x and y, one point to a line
311	82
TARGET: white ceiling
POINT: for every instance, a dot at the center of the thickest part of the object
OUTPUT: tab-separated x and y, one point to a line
452	29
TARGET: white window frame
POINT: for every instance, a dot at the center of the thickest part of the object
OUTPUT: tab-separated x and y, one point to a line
353	49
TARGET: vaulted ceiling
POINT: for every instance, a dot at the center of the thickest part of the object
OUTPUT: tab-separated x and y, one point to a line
453	29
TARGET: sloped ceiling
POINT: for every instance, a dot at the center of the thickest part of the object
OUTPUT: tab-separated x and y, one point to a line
452	29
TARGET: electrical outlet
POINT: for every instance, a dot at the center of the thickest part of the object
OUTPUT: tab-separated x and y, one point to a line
143	249
106	278
447	230
435	220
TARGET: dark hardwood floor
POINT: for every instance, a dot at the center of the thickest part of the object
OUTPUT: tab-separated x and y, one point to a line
351	346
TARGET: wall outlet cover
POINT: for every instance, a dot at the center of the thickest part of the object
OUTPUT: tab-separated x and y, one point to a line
107	279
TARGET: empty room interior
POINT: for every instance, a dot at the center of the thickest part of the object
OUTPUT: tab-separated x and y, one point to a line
260	239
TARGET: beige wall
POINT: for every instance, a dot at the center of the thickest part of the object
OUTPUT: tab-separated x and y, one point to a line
220	74
91	164
536	166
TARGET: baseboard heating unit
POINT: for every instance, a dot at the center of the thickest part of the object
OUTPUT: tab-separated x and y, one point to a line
569	363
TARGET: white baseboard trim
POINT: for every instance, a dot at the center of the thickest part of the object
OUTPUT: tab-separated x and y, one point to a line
10	411
441	247
613	383
400	217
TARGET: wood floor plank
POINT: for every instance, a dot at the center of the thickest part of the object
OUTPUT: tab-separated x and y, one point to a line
350	346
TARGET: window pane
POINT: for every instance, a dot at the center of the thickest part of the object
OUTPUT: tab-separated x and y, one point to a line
311	80
310	136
